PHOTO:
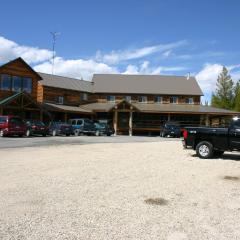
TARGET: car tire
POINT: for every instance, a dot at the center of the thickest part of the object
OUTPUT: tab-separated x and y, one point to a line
1	133
44	135
76	132
97	133
54	133
204	150
218	153
68	134
28	133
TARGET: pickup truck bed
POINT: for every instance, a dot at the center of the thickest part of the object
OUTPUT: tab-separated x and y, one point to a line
214	141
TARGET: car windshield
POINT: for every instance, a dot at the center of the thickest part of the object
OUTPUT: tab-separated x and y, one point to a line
173	126
39	123
3	119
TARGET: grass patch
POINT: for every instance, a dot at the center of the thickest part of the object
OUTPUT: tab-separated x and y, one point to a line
231	178
156	201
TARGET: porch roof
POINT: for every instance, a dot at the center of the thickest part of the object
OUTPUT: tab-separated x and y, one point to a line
66	108
161	108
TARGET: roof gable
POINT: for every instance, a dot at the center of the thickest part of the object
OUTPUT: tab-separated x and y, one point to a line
20	63
146	84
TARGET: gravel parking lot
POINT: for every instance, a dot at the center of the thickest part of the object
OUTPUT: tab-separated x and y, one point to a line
132	190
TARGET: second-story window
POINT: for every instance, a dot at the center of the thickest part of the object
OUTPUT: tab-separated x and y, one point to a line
189	100
5	82
84	97
174	100
142	99
60	99
16	84
158	99
127	98
111	98
27	84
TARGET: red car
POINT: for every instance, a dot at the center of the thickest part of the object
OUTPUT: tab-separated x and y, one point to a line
12	125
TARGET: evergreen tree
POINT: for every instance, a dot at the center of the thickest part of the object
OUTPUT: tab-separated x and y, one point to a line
237	97
224	93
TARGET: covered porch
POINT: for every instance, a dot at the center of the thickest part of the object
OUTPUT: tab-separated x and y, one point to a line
23	105
147	118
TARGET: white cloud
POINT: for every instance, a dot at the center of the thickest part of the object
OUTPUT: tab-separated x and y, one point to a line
10	50
75	68
117	56
40	60
207	77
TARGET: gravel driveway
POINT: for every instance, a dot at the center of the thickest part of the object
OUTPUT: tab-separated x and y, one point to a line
144	190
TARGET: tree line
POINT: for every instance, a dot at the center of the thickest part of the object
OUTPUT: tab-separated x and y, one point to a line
227	93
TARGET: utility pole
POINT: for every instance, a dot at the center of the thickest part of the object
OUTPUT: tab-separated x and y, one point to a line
54	38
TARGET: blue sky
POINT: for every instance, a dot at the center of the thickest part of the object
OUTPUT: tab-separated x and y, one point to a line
169	37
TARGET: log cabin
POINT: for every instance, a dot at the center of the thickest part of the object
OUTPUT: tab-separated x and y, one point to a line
133	104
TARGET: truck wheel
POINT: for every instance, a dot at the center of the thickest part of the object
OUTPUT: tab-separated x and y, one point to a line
97	133
1	133
204	150
76	132
28	133
218	153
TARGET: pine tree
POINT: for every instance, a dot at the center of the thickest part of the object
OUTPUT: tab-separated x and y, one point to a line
224	93
237	97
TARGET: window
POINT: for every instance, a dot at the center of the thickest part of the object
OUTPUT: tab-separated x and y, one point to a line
84	96
158	99
60	99
142	99
189	100
79	122
127	98
173	100
6	82
111	98
27	85
16	84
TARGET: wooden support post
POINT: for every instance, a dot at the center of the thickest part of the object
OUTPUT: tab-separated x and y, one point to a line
169	117
130	123
41	115
65	117
115	120
207	120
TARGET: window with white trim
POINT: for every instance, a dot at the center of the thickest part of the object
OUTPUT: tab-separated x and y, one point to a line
127	98
110	98
174	100
189	101
60	99
158	99
142	99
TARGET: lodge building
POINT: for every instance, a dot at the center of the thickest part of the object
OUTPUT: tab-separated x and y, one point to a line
133	104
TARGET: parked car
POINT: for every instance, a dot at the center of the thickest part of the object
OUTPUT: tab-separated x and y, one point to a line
209	142
60	129
170	129
12	125
36	127
103	129
82	126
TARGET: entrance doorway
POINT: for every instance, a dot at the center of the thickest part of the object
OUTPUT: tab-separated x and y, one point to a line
123	122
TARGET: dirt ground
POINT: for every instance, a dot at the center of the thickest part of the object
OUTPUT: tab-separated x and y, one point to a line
152	190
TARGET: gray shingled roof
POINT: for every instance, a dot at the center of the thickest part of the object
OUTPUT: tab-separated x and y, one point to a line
65	82
66	108
161	108
145	84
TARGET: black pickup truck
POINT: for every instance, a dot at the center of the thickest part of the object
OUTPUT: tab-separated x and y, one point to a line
209	142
